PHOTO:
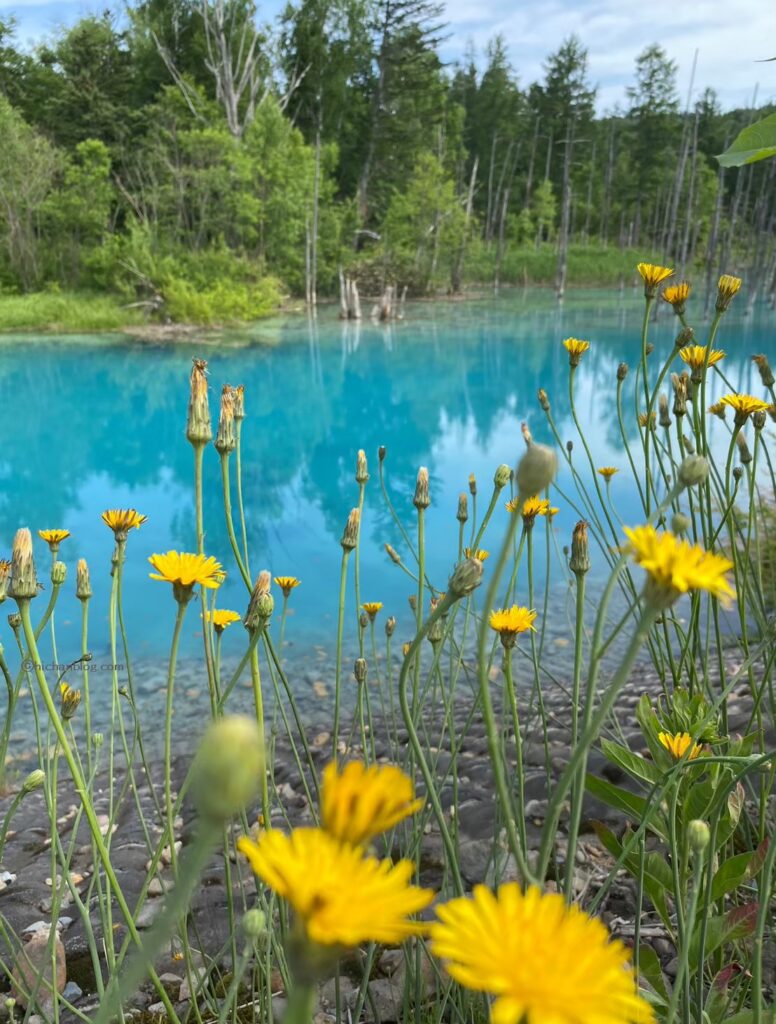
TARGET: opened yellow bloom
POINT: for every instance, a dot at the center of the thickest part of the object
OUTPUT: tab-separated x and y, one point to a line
122	520
545	962
576	348
653	275
744	406
53	537
358	803
221	618
512	620
676	295
648	420
607	472
717	409
372	608
185	569
287	584
479	554
695	356
678	744
675	566
342	896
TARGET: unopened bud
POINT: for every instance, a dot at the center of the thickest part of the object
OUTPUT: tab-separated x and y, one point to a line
382	451
680	394
362	471
579	562
261	604
662	404
650	348
766	373
421	499
350	534
33	781
685	337
69	701
58	573
727	288
5	578
680	523
688	444
758	419
228	767
413	602
535	471
360	670
744	453
98	739
737	473
693	471
466	577
698	836
463	508
15	621
83	585
238	402
472	484
198	428
363	620
24	581
544	401
405	649
393	554
569	446
390	625
502	476
226	440
254	924
622	371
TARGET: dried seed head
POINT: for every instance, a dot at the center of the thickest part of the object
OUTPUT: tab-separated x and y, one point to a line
535	471
393	554
694	470
463	508
83	586
228	768
24	581
198	428
766	373
502	476
579	562
225	441
350	533
58	573
421	499
622	371
390	625
744	453
544	401
466	577
680	523
362	472
662	404
360	670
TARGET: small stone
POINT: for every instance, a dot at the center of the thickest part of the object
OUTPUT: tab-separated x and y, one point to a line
71	992
192	983
148	913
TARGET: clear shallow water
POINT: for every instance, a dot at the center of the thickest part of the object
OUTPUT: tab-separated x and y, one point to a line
96	423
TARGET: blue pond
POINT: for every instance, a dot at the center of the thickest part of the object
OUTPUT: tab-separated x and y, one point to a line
93	423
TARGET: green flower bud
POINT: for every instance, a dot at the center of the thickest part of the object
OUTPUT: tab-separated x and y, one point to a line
261	604
622	371
579	562
466	577
350	534
698	836
502	476
227	769
680	523
390	625
544	401
98	739
664	418
693	470
198	428
463	508
254	924
393	554
83	586
758	419
744	453
58	573
360	669
15	621
766	373
33	781
226	440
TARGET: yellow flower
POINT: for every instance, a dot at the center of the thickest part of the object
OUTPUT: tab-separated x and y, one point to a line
576	348
718	409
607	472
676	566
650	420
342	897
653	275
53	537
677	745
358	803
372	608
676	295
508	622
221	618
552	511
479	554
183	570
545	962
535	506
287	583
695	356
122	520
727	288
744	406
70	699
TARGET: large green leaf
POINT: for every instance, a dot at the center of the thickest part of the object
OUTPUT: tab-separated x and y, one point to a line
757	142
636	766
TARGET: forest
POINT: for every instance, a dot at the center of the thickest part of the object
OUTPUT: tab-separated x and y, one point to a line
183	160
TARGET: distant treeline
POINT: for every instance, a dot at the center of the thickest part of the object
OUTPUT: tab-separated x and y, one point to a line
198	163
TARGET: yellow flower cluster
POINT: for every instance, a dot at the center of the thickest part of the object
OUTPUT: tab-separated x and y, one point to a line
675	566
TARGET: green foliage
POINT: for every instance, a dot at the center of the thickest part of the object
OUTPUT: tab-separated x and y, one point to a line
64	311
757	142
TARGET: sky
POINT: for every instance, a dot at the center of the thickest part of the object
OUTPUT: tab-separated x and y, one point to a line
729	37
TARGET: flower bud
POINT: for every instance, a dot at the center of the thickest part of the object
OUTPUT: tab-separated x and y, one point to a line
502	476
544	401
685	337
579	563
466	577
390	625
421	499
693	470
69	701
569	446
744	454
680	394
227	769
362	471
261	604
98	739
226	441
254	924
198	428
382	451
405	649
463	508
649	348
5	578
688	444
622	371
238	402
33	781
24	582
350	534
662	404
58	573
360	670
83	585
413	602
727	288
15	621
680	523
363	620
766	373
737	473
472	484
535	471
698	836
758	419
393	554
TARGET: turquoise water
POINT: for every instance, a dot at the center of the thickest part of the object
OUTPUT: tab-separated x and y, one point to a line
99	422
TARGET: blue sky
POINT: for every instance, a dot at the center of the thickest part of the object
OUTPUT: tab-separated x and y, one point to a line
729	37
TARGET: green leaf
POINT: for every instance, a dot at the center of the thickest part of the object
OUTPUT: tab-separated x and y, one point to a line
636	766
634	805
732	873
757	142
651	972
658	879
720	929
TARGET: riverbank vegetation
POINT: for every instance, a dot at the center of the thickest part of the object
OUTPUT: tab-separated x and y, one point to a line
198	165
284	869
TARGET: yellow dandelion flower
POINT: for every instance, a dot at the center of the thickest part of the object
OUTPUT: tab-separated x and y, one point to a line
653	276
341	896
607	472
695	356
479	554
122	520
576	348
678	744
372	608
744	406
552	511
287	584
53	537
69	700
184	570
535	506
508	622
676	295
221	618
727	288
718	409
648	420
541	959
360	802
675	566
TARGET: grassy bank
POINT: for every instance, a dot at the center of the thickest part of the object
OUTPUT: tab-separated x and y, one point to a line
588	265
65	311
